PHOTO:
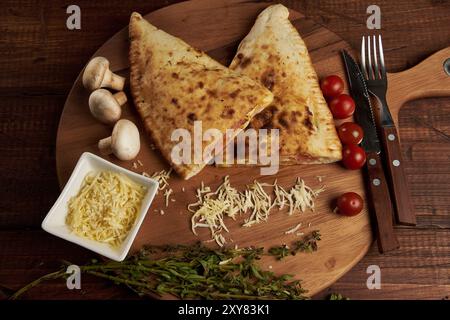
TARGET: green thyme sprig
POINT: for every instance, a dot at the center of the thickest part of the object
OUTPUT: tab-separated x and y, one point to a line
337	296
194	272
280	252
307	244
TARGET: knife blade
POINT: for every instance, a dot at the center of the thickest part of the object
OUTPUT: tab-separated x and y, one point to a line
377	185
364	114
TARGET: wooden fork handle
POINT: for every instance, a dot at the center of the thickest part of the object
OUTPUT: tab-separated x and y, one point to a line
381	204
404	212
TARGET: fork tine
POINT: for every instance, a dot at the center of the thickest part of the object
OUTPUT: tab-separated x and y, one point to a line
370	74
376	72
363	57
383	68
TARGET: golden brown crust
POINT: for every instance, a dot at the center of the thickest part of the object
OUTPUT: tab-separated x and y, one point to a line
173	85
274	53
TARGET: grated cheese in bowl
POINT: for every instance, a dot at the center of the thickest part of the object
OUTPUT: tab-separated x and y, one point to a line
106	207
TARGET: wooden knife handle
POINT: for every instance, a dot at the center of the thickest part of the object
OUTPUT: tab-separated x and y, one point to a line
404	211
381	204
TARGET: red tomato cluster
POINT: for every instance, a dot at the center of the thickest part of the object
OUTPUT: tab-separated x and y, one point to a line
353	156
342	106
332	86
350	133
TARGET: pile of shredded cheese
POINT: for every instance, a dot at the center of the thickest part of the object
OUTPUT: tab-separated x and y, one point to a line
303	196
259	202
300	197
227	194
209	212
106	207
210	215
211	207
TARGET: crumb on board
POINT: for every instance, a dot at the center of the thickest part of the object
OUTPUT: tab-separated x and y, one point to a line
161	212
320	178
140	163
167	195
162	177
293	229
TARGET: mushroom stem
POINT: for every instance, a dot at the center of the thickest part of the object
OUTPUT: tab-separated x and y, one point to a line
97	75
124	141
113	81
105	106
120	97
105	146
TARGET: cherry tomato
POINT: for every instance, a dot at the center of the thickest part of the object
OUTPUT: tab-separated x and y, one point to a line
332	86
350	204
353	156
350	133
342	106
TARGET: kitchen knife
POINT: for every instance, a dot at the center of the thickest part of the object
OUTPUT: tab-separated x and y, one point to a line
376	182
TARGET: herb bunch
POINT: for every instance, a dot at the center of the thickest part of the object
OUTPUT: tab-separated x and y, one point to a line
191	272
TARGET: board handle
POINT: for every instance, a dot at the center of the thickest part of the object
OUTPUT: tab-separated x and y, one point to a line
381	204
429	78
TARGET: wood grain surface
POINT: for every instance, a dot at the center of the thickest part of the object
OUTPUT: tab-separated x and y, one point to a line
40	59
344	240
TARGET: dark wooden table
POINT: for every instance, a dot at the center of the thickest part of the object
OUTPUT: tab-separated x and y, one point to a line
40	59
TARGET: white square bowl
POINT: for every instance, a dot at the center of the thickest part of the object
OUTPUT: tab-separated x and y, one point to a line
55	221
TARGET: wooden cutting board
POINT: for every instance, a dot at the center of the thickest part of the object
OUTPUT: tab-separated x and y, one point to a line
217	28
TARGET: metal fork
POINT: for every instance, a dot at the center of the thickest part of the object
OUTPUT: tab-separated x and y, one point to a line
377	84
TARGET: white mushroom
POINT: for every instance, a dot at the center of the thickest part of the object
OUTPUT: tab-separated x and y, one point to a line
105	106
97	75
124	141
